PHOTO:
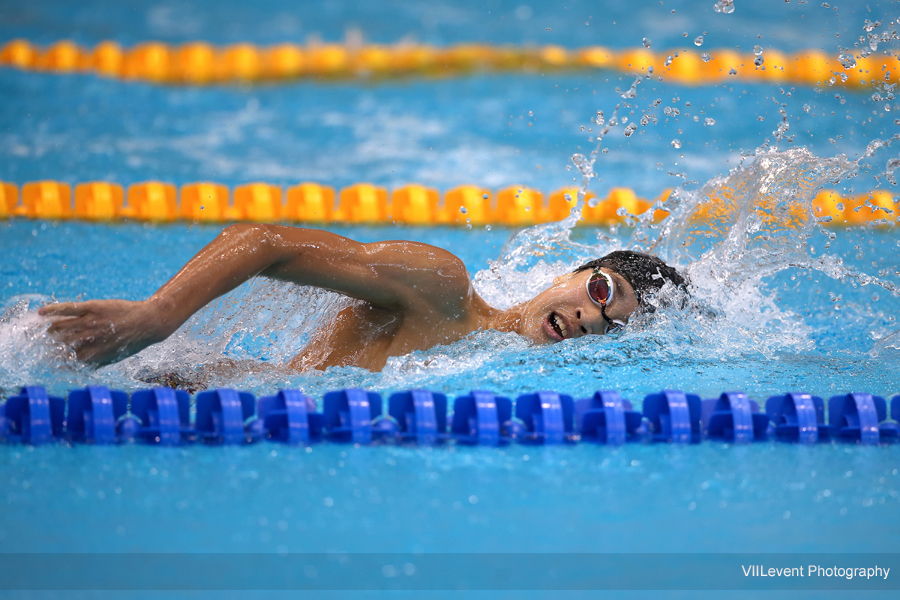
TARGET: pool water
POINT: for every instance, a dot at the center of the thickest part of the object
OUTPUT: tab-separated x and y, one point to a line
773	308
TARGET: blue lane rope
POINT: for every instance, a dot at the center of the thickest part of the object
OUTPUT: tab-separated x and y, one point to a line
161	416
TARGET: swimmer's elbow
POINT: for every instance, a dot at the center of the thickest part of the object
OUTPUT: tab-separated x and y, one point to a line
250	237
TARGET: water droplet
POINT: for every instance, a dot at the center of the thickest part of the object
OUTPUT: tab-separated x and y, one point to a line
848	61
732	72
705	57
668	60
758	61
647	43
485	196
599	120
629	129
757	50
698	41
806	108
710	122
487	227
463	209
724	6
676	144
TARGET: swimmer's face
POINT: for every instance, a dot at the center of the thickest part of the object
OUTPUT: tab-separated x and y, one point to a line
565	310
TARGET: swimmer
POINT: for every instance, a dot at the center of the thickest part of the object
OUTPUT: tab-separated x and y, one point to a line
413	296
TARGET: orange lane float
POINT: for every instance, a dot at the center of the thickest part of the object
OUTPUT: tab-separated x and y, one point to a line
415	204
203	202
47	200
259	202
151	201
310	203
412	204
98	201
467	204
199	63
362	203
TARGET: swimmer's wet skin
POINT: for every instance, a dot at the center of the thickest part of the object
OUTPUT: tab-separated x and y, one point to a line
413	297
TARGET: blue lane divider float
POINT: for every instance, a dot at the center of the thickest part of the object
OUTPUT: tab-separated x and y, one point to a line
547	417
673	416
221	416
733	417
421	416
481	418
33	417
606	418
93	414
162	416
860	417
798	417
349	415
290	417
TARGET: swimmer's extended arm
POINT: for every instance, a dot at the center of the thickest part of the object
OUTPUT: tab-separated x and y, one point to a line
395	276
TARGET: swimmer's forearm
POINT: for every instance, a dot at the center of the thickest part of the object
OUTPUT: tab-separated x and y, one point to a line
239	253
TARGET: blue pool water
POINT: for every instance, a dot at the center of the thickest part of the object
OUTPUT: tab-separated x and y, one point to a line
793	310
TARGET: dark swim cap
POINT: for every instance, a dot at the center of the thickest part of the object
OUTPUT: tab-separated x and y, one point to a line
645	273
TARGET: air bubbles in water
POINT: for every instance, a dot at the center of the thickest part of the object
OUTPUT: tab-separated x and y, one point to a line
485	196
732	72
698	41
647	42
668	60
724	6
463	209
599	120
629	129
676	143
806	108
705	57
710	122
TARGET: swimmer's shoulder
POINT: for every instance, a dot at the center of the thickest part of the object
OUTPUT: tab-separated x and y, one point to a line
433	275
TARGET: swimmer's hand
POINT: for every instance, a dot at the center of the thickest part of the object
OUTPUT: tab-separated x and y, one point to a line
105	331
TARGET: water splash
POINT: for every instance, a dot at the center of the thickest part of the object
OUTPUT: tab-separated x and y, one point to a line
724	6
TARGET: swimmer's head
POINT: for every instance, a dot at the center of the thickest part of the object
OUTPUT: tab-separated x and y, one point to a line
597	297
644	273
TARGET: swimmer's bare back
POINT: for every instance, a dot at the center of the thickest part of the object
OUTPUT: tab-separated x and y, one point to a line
414	296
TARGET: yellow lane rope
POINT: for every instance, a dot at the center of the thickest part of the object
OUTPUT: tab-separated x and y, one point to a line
364	203
200	63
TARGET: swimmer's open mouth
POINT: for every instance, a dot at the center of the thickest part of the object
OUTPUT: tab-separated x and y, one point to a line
557	325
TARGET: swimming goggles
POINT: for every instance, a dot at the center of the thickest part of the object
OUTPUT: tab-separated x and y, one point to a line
600	289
